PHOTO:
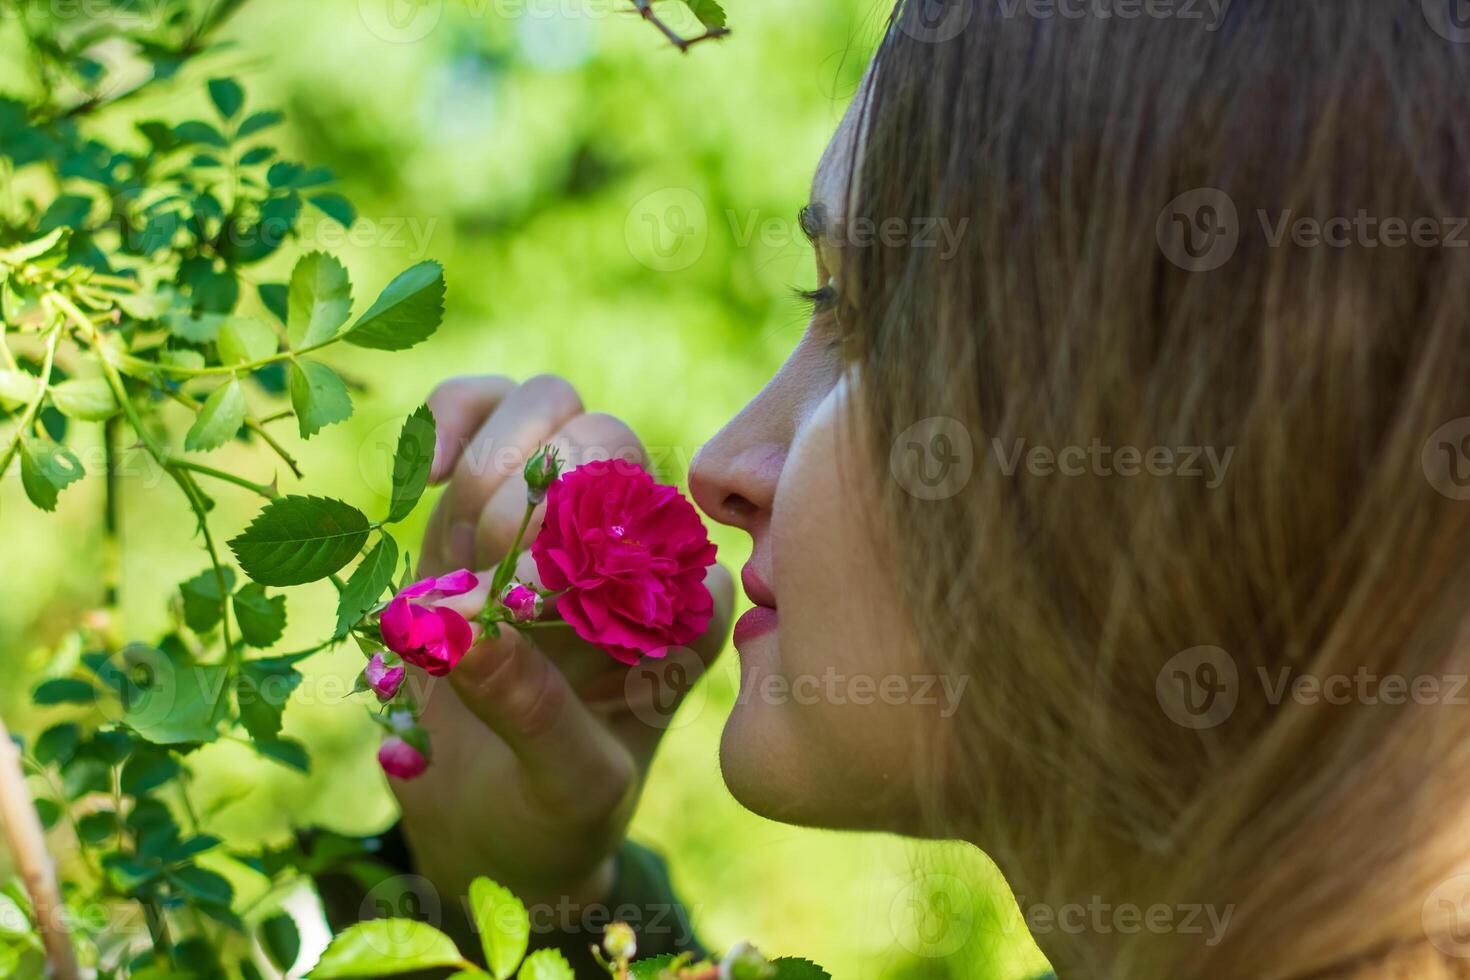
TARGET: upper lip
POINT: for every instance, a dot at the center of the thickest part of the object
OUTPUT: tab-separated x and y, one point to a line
756	588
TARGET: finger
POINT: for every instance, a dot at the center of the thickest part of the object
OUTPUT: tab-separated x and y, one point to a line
460	406
571	762
527	416
592	435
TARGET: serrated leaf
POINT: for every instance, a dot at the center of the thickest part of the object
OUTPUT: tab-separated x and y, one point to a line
282	940
412	460
86	399
385	947
63	690
318	396
320	300
366	585
204	603
243	340
503	924
296	540
546	964
219	418
336	207
409	310
709	12
205	887
265	685
46	469
262	618
227	96
650	968
257	121
795	968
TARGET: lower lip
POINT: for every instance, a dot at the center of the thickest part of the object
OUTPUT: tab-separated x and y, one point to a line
757	621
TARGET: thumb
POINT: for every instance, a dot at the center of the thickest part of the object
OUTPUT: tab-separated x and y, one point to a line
572	763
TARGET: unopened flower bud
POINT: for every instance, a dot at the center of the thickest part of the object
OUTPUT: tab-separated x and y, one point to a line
521	602
541	472
401	760
745	962
381	679
619	941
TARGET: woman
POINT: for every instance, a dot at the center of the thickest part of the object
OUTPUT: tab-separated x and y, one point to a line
1128	467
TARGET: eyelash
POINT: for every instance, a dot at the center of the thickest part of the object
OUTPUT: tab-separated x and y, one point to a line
823	301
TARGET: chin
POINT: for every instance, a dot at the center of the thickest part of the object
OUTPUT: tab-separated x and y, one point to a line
775	772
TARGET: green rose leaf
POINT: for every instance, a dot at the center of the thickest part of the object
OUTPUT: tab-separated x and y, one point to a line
287	751
227	96
794	968
709	12
319	301
204	887
198	131
57	744
366	585
318	396
546	964
84	399
262	618
386	947
201	328
409	310
243	340
257	121
63	690
204	604
336	207
296	540
282	940
17	387
219	418
651	968
177	706
412	461
503	924
264	687
46	469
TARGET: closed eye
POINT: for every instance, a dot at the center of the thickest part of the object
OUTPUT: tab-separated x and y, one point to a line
822	300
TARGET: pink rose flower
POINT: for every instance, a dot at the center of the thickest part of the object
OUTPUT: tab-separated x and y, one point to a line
522	603
629	557
382	679
426	633
401	760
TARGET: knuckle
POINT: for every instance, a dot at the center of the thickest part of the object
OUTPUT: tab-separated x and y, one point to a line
555	391
599	435
448	393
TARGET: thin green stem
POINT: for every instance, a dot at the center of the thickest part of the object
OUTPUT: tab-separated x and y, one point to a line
254	425
142	368
506	568
28	416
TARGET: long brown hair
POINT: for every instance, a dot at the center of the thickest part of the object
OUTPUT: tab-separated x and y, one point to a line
1098	297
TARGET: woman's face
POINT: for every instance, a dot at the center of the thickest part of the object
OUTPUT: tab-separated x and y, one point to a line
833	691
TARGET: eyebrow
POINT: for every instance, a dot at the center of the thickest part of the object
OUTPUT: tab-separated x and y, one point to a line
813	221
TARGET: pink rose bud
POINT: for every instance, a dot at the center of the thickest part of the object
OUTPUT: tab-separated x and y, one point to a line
382	679
423	632
401	760
522	602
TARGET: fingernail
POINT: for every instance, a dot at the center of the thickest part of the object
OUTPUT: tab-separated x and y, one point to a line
462	544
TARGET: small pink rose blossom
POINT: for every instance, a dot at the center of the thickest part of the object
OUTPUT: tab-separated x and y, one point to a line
401	760
628	556
384	680
522	603
425	633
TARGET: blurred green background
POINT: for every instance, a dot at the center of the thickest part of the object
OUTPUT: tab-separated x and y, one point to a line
607	210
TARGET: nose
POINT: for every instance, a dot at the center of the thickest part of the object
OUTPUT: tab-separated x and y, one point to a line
733	477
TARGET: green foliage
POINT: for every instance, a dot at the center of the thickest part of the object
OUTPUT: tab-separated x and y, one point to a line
503	925
295	540
408	311
384	948
372	576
